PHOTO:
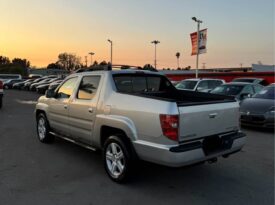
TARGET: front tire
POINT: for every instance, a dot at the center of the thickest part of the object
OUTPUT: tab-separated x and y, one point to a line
43	129
117	159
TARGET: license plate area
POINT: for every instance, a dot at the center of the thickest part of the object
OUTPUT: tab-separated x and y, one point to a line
213	144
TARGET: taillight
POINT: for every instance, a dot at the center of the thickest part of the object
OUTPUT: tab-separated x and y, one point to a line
1	84
170	126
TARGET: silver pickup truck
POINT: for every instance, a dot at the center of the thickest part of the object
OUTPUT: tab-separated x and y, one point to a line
133	114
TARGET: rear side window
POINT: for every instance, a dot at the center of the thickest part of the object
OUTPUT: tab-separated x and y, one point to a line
214	83
88	87
143	83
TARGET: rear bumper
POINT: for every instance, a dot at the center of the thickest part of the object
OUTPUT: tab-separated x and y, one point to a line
186	153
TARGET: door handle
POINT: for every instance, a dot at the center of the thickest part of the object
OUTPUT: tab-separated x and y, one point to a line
65	106
213	115
90	110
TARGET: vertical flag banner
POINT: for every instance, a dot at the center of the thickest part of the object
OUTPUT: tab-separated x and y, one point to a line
202	42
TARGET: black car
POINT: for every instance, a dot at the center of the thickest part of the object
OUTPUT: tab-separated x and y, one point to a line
259	110
239	90
20	85
9	83
41	89
260	81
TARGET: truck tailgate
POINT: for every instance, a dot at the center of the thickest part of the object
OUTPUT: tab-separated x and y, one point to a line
208	119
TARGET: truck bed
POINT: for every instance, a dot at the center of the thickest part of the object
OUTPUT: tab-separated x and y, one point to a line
187	98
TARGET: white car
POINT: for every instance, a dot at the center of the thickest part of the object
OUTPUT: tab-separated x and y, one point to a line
199	84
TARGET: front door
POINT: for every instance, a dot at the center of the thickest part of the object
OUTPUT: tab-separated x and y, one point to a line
59	107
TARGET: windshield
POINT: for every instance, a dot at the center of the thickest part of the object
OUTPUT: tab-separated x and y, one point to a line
187	84
245	80
228	89
266	93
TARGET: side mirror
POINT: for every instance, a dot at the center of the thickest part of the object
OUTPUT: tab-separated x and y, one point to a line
245	95
50	94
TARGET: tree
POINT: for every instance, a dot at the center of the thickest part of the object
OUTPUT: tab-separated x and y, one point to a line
69	61
149	67
178	56
103	63
4	60
54	66
24	63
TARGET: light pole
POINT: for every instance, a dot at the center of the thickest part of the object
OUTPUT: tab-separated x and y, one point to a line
91	53
86	61
155	42
178	56
198	46
111	42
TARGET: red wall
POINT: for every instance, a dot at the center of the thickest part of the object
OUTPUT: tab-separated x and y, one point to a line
227	76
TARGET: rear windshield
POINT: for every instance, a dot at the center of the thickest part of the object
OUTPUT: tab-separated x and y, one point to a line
133	83
266	93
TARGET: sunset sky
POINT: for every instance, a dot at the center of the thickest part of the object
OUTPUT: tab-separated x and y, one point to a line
239	31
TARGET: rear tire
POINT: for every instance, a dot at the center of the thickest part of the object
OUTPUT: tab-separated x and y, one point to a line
43	129
117	159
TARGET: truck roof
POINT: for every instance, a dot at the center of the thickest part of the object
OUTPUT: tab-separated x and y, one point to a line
126	71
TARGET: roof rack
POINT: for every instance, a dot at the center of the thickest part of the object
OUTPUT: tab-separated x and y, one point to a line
109	67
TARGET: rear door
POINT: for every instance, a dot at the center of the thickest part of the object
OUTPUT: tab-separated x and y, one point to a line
82	108
210	119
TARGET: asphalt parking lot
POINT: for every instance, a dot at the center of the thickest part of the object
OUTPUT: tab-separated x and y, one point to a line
64	173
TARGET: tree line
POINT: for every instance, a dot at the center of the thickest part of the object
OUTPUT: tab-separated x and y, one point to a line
14	66
66	61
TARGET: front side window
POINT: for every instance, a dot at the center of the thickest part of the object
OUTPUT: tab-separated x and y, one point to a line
66	90
203	85
248	89
88	87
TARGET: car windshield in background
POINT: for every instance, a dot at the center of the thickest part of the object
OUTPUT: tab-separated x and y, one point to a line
228	89
187	84
266	93
244	80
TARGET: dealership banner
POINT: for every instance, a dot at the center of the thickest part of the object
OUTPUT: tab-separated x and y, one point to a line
202	41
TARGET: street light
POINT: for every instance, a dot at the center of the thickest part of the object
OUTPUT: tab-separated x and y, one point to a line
198	49
91	53
111	42
155	42
86	61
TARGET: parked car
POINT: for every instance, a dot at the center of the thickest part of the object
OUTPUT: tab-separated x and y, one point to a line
132	114
260	109
37	80
9	83
6	77
200	85
33	86
41	89
20	85
260	81
239	90
1	94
